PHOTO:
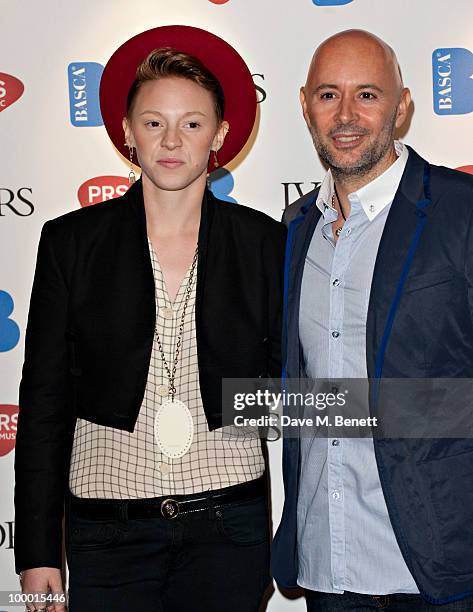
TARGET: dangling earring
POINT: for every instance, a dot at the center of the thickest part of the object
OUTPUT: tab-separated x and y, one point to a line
131	174
216	164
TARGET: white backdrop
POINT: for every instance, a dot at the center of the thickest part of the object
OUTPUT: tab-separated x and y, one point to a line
45	158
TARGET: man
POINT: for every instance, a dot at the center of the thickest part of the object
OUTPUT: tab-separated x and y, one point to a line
380	277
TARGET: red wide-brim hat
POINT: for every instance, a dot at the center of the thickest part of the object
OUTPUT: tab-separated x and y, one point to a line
217	56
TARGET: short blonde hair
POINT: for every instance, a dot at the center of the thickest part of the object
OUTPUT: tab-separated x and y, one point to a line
168	62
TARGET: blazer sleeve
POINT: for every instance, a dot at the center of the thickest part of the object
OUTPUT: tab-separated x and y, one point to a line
44	434
469	257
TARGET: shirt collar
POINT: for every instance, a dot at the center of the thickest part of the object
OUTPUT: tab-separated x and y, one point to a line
374	196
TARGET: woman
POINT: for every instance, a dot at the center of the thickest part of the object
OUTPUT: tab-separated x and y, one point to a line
140	307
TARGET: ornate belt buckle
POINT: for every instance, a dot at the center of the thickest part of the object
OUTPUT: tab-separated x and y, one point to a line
169	508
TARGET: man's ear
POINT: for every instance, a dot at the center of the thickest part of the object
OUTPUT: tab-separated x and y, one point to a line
303	101
403	107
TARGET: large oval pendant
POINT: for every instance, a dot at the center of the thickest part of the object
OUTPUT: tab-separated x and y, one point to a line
173	428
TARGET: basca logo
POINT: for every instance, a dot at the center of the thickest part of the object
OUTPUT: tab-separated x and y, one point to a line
11	89
8	424
84	81
9	330
452	71
102	188
331	2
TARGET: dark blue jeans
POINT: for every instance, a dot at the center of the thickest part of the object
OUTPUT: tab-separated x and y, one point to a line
331	602
207	561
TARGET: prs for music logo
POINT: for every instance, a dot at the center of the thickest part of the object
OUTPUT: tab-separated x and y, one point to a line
101	188
11	89
8	425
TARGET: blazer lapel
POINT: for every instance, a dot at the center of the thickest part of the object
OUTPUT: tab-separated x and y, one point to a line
300	233
136	202
396	240
206	219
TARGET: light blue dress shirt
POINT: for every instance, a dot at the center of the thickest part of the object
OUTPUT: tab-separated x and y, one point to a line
345	537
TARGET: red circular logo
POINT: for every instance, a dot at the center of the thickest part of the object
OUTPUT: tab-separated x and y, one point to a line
219	1
11	89
8	422
101	188
468	169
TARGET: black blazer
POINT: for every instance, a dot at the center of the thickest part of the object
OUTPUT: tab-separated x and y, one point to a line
90	333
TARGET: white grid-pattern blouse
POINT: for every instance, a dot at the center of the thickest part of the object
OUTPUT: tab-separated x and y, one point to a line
109	463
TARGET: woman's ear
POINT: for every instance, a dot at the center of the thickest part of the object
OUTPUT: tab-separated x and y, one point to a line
219	137
128	132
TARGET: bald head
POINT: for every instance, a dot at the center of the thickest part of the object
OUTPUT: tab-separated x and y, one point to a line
366	47
353	101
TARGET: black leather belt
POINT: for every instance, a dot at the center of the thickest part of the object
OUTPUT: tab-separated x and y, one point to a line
167	507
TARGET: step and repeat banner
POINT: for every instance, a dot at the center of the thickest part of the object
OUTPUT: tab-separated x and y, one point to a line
56	155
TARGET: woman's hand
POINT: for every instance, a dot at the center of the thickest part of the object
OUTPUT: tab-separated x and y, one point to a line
44	581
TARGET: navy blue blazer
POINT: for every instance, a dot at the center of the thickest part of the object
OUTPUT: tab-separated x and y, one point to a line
419	325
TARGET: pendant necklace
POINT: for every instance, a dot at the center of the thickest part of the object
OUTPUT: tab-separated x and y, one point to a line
173	424
338	231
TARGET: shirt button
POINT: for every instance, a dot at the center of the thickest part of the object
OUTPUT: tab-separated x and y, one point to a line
336	495
335	334
348	232
168	313
335	442
336	282
163	390
164	468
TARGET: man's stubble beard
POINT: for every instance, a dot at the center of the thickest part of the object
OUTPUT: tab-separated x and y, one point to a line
370	157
